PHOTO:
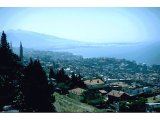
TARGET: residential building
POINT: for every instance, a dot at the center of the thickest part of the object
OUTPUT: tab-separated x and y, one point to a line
77	91
94	83
117	95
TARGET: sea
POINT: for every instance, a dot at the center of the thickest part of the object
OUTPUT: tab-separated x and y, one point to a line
140	54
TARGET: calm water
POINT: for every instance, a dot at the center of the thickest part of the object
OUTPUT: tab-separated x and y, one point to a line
139	53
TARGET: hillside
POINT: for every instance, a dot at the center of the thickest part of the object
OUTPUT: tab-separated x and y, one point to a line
66	104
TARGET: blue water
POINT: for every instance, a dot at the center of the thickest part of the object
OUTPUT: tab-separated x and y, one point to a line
138	53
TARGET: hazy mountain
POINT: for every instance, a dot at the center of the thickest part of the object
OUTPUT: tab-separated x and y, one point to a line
38	41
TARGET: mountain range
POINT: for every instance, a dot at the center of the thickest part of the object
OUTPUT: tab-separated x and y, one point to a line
40	41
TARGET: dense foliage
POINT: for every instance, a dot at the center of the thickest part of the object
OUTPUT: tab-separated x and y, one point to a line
35	88
10	71
133	105
64	82
93	97
25	87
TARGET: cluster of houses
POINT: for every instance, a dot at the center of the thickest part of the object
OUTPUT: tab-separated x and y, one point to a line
115	89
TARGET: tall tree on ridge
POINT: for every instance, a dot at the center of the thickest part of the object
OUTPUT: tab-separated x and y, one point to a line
4	43
9	69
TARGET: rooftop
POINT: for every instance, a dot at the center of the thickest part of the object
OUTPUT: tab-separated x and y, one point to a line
77	91
102	91
116	93
93	82
120	84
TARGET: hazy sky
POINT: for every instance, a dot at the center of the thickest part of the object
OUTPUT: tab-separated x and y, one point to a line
86	24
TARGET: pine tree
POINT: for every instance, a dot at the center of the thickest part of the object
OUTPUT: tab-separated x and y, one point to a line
21	53
51	73
10	69
60	76
74	80
4	43
35	88
8	58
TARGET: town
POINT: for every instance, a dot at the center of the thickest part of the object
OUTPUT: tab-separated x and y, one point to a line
121	84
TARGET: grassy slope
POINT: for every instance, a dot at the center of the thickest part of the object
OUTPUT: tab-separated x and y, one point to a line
65	104
151	100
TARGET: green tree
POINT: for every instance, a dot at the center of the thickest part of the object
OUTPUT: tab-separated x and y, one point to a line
36	91
76	81
60	76
138	105
123	106
51	73
92	97
10	70
4	43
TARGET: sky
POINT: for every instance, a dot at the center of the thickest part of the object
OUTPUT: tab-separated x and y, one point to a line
102	25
